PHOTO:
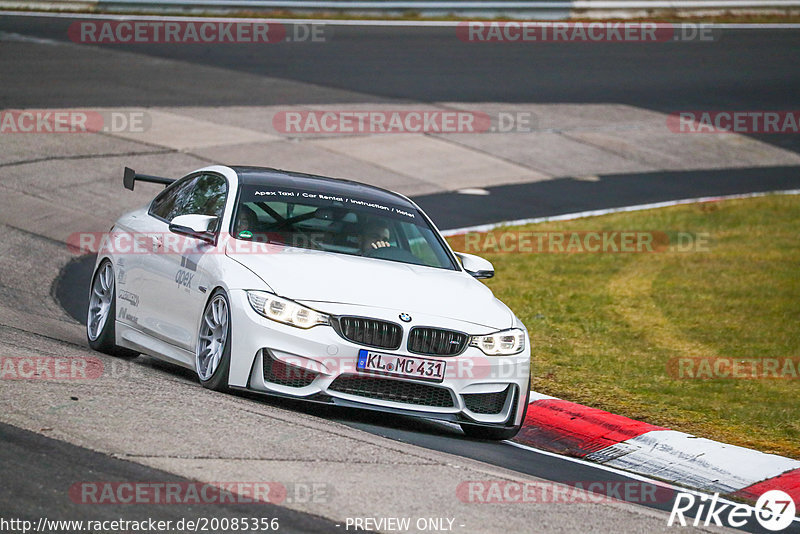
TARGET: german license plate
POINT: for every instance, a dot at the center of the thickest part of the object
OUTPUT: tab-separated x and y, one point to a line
404	366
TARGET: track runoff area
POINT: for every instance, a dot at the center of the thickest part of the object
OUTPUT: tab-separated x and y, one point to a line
622	450
713	481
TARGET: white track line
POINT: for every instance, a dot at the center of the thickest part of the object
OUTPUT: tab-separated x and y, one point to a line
19	38
607	211
633	476
708	465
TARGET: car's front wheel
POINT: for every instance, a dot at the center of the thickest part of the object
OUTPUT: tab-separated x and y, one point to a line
102	312
213	352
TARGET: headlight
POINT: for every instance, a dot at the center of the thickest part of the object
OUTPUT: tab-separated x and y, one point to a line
284	310
503	343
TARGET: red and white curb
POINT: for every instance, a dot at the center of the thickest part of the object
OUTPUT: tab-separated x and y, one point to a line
598	436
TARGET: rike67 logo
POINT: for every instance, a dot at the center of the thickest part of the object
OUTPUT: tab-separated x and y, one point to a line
774	510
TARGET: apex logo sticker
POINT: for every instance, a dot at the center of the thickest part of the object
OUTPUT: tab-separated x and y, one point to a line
184	278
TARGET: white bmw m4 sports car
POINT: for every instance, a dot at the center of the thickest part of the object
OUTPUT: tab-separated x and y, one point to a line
312	288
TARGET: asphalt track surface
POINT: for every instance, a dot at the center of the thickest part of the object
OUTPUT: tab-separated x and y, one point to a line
42	482
564	196
71	288
751	70
741	69
747	69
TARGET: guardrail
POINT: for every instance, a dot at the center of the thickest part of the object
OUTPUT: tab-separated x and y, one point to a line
552	9
451	4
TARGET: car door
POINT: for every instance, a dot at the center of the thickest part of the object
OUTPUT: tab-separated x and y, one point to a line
132	238
177	276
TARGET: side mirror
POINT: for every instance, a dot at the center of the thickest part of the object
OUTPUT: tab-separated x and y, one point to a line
197	226
475	265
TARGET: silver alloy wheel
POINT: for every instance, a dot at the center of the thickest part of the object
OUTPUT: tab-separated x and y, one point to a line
100	300
213	336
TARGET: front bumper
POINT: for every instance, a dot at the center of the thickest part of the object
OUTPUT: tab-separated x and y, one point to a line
320	365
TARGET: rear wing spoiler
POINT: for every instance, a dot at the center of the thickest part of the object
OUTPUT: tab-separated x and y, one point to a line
130	177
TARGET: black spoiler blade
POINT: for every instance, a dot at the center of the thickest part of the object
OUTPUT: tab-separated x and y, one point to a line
130	177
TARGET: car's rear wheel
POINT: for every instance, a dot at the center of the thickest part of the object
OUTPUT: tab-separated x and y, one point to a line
102	312
497	433
213	352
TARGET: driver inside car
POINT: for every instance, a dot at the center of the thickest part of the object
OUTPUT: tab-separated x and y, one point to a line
246	221
376	236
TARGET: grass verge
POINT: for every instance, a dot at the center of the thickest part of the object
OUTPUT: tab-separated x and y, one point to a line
606	328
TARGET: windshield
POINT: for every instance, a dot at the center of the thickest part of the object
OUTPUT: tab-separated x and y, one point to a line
340	224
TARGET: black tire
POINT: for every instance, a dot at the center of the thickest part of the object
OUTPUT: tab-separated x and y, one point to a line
218	380
105	340
496	433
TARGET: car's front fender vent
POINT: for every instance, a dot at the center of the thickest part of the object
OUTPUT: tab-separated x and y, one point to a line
486	403
370	332
436	341
284	374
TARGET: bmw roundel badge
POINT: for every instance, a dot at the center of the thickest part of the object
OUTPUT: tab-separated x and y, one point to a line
406	318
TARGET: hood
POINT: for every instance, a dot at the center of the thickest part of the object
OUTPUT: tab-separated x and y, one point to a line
314	276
